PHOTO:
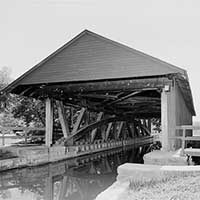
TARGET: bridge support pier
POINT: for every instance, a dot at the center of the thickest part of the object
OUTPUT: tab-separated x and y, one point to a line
168	119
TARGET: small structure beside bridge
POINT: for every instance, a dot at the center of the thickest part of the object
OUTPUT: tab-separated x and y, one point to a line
117	89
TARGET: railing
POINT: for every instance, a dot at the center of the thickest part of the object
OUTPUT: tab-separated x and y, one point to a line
23	130
187	134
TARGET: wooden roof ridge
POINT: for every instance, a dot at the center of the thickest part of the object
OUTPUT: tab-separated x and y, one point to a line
73	40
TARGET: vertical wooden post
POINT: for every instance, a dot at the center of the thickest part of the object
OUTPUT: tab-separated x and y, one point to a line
168	118
49	122
149	124
183	141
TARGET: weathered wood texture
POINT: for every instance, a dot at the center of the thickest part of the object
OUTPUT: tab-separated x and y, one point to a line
183	114
79	120
174	112
93	57
93	134
49	122
63	119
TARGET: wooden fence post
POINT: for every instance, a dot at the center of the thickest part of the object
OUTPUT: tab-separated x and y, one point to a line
183	141
3	139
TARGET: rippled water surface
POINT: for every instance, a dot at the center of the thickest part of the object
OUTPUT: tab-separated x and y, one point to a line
82	178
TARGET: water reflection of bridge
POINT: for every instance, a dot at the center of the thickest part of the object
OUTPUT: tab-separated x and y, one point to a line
79	178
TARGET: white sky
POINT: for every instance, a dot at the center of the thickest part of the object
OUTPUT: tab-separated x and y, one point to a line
167	29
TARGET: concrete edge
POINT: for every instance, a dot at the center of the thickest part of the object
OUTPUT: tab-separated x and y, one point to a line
139	172
114	192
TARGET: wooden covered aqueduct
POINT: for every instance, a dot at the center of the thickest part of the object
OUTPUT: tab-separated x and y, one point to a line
124	87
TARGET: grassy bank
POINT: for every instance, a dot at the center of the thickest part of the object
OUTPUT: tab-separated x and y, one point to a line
173	188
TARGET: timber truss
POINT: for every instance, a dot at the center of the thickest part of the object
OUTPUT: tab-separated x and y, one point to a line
89	127
104	108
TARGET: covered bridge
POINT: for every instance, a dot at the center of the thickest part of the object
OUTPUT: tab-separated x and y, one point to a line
107	77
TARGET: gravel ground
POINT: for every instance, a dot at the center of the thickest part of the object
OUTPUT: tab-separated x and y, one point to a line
182	188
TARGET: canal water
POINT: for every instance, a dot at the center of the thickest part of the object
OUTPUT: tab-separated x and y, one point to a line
82	178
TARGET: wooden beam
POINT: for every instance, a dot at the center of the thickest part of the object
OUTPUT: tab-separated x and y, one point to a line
49	122
115	130
79	120
131	133
149	124
103	132
133	129
63	119
124	98
86	130
94	131
120	129
108	130
98	96
114	85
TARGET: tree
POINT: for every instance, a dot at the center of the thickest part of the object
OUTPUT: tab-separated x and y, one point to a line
5	79
30	110
17	110
7	101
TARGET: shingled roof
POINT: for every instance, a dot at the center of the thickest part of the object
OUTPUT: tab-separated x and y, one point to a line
92	57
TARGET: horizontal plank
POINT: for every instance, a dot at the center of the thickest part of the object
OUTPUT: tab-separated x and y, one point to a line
193	138
192	151
187	127
21	137
22	128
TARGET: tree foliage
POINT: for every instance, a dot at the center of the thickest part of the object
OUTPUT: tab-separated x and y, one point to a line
31	111
5	79
17	110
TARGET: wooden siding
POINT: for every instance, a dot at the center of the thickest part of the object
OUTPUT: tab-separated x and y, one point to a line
174	113
91	57
183	114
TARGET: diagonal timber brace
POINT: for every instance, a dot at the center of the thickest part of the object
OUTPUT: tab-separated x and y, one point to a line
63	119
79	120
86	130
94	131
108	130
120	129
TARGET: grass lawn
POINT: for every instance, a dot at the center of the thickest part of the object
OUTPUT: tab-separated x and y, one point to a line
174	188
